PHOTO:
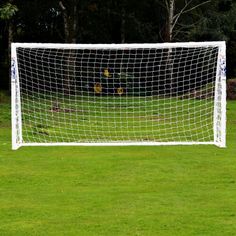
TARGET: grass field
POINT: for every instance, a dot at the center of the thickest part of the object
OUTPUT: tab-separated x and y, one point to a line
114	118
177	190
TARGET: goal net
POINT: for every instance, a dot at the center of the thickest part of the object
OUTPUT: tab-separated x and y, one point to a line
118	94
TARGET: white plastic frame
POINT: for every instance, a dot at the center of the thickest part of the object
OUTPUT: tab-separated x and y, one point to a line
219	126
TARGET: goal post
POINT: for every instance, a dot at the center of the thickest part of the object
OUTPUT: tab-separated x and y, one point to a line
220	99
118	94
16	118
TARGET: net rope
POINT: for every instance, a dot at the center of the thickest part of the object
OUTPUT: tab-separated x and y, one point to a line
117	95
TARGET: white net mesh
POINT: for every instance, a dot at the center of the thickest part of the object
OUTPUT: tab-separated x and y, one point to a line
117	95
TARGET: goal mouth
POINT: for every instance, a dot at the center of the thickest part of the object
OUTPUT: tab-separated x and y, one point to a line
118	94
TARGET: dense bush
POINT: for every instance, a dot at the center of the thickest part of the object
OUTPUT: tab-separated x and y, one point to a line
231	89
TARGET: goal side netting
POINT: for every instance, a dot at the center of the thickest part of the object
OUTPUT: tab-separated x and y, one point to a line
118	94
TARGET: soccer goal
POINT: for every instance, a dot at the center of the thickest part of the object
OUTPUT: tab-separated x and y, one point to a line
118	94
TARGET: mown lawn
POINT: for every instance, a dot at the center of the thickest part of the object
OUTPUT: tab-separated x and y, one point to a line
168	190
115	119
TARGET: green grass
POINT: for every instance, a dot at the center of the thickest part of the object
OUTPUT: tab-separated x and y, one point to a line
188	190
98	119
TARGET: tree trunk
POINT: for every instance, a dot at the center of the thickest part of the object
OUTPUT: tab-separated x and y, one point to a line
170	19
70	30
70	21
10	40
65	21
122	26
74	24
170	80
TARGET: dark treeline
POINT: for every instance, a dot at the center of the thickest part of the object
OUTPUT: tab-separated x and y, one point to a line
116	21
154	72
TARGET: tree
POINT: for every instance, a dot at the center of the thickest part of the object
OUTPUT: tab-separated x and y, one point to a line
70	17
7	12
218	22
174	14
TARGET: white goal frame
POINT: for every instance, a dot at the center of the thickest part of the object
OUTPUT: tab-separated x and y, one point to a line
219	118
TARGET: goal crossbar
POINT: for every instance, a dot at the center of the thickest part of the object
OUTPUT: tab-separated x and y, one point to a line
120	46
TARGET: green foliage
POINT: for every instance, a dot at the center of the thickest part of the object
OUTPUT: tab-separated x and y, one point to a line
231	57
231	89
225	5
3	97
217	22
8	11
